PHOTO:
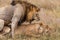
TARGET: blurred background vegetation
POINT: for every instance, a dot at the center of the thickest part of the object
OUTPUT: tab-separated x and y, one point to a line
50	15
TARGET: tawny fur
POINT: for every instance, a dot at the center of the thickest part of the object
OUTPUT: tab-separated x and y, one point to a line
34	30
6	13
12	14
30	9
1	24
18	16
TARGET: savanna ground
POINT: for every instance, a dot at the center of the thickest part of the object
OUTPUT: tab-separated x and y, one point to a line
50	15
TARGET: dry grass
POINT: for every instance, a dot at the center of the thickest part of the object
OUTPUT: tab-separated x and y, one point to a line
50	15
45	3
52	19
